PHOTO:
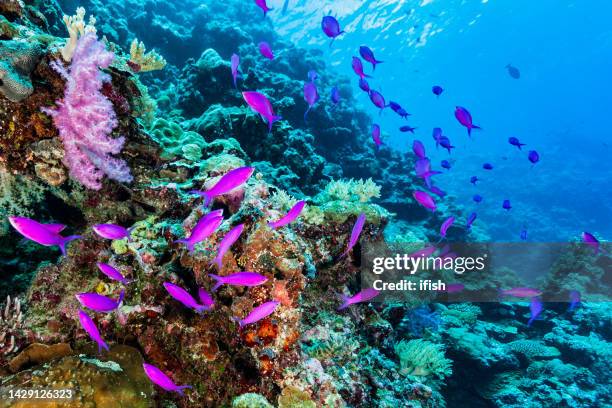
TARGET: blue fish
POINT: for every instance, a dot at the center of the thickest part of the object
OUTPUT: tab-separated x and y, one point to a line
506	205
367	54
535	307
445	164
487	166
437	90
515	142
474	180
477	198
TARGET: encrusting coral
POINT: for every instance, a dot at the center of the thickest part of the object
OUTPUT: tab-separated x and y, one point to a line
17	60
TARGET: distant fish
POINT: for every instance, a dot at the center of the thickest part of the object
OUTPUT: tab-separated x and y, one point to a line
535	309
291	216
455	287
394	106
184	297
591	241
477	198
43	234
506	205
155	374
260	104
465	118
422	168
238	279
311	96
513	71
437	90
312	75
470	220
474	180
376	136
335	95
266	50
446	143
367	54
523	235
357	228
358	69
425	200
92	330
260	312
230	181
445	164
446	225
235	63
205	298
99	303
402	112
407	129
112	273
515	142
111	231
487	166
437	134
360	297
363	84
437	191
533	156
205	227
419	149
331	28
228	240
575	300
377	99
521	292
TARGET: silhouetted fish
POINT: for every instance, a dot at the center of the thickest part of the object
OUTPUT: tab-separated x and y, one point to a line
513	71
367	54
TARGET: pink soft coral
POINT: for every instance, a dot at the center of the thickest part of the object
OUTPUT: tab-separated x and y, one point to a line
85	118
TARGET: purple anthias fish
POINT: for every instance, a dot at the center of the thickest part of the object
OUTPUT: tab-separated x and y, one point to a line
470	220
291	216
407	129
184	297
205	227
99	303
477	198
112	273
533	156
266	50
425	200
331	28
43	234
535	307
357	228
260	104
474	180
335	95
376	136
360	297
445	164
358	69
395	106
205	298
515	142
238	279
506	205
235	62
446	143
487	166
367	54
446	225
92	330
575	299
158	377
260	312
111	231
419	149
311	96
422	169
437	90
455	287
363	84
230	181
591	241
262	5
437	134
521	292
465	118
437	191
423	253
377	99
227	241
402	112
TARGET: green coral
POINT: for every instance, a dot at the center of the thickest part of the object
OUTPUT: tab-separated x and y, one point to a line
422	358
461	314
251	400
293	397
361	191
18	196
533	349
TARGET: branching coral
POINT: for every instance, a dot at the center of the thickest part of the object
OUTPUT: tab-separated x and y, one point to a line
422	358
142	61
350	190
85	118
11	331
76	29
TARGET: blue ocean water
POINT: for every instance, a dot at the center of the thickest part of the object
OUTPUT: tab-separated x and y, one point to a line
559	106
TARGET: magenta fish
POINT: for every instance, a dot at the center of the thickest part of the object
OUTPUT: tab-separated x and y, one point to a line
262	5
291	216
360	297
437	191
377	99
235	62
363	84
205	227
535	308
206	298
358	69
184	297
376	136
368	55
266	50
423	253
521	292
159	378
99	303
331	28
43	234
465	118
311	96
238	279
591	241
419	149
423	170
470	220
92	330
446	225
227	241
230	181
425	200
111	231
260	104
455	287
260	312
112	273
359	223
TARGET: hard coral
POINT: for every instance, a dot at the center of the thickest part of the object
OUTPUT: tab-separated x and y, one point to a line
17	60
422	358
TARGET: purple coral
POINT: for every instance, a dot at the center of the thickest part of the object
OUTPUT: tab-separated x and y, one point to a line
85	118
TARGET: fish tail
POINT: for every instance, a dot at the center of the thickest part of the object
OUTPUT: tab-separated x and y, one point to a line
121	296
207	200
272	225
102	345
180	389
530	321
239	321
345	302
217	261
219	281
65	240
306	114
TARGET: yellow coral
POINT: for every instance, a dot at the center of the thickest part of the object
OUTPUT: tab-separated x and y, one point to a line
146	61
76	28
350	190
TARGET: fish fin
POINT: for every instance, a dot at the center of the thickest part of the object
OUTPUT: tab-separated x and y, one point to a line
65	240
530	321
219	281
239	321
306	113
121	296
180	388
55	228
207	200
345	302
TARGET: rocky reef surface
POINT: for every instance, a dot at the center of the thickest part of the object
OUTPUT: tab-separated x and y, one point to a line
185	126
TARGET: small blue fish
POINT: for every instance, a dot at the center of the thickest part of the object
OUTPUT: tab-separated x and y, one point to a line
367	54
402	112
477	198
515	142
445	143
437	90
335	95
533	156
535	307
487	166
506	205
445	164
474	180
470	220
394	106
311	96
524	235
407	129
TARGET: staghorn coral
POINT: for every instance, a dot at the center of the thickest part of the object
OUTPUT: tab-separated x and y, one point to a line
17	60
422	358
77	28
142	61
